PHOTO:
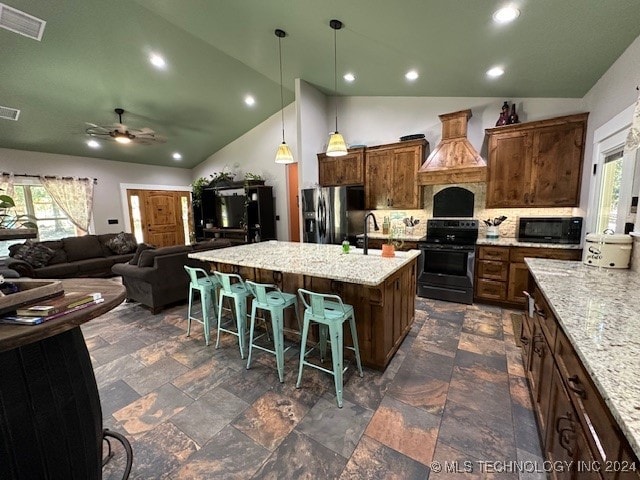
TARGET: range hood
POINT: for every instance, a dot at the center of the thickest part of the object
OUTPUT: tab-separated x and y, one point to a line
454	160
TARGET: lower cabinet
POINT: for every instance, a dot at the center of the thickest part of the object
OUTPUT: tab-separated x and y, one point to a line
501	274
576	426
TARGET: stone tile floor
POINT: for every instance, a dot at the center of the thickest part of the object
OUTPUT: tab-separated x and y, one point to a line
454	392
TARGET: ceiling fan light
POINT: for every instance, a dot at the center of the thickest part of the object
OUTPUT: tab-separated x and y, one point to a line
337	147
123	139
284	155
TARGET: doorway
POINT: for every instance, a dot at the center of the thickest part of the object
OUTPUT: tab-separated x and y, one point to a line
159	217
294	203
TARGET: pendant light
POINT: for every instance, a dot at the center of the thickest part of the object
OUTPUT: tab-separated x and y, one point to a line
283	155
336	146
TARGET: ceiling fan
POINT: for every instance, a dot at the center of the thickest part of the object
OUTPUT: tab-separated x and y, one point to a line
122	134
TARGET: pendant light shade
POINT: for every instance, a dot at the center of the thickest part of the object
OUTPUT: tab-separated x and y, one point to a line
283	155
336	146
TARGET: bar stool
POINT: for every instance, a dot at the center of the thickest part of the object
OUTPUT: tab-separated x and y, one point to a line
330	313
232	286
207	286
269	297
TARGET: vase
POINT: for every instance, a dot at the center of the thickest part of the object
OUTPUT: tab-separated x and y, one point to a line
493	232
388	250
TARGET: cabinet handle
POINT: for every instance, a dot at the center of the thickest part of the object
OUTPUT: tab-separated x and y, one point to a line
524	340
566	436
533	197
576	386
526	198
541	313
537	338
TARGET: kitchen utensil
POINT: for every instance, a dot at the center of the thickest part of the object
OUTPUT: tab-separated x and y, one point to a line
495	221
499	220
416	222
406	222
487	223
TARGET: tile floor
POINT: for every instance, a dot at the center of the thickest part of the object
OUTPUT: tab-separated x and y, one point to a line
454	392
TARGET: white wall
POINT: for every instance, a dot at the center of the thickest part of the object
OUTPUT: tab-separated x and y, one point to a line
110	174
614	92
379	120
313	131
255	152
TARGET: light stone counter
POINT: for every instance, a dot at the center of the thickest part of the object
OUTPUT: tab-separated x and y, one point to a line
315	260
513	242
599	311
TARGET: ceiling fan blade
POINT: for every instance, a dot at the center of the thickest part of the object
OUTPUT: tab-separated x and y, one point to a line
145	131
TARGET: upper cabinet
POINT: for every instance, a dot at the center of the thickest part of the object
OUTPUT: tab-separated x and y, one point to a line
391	175
345	170
536	164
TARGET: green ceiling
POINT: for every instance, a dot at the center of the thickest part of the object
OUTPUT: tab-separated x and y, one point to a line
93	58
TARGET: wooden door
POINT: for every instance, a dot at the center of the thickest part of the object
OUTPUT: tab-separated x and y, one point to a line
518	282
509	169
404	187
379	172
557	165
162	216
294	202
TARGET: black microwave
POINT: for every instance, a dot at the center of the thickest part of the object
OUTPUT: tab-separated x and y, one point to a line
550	229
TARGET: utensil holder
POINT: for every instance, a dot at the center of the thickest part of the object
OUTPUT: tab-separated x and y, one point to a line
493	232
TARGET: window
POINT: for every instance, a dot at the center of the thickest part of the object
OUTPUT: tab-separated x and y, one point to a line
609	201
52	222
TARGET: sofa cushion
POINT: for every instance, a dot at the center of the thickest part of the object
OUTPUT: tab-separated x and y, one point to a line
59	255
33	253
147	257
81	248
120	258
122	243
60	270
139	249
93	265
103	238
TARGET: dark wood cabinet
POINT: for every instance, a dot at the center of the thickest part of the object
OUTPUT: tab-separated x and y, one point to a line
339	171
536	164
391	175
501	274
574	422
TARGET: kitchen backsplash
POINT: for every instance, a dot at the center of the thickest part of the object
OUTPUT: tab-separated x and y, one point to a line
507	228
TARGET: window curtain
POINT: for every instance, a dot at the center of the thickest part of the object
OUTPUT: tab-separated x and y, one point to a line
74	196
6	184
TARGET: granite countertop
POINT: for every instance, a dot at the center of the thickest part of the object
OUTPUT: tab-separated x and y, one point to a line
403	237
599	311
315	260
513	242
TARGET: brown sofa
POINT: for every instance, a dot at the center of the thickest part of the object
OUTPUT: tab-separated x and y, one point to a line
87	256
159	279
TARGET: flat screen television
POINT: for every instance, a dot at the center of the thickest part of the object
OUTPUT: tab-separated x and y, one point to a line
230	211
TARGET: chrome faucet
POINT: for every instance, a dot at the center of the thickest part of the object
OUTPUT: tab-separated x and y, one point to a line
366	231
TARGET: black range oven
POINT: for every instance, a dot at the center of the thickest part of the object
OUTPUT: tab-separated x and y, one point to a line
448	258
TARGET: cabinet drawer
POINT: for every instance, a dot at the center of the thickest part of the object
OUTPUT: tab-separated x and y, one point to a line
491	289
500	254
493	270
518	253
601	430
543	313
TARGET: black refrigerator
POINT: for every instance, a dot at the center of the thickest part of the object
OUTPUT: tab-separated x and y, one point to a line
331	214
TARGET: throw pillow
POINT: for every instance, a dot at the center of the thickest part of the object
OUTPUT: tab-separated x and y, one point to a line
141	248
122	243
34	254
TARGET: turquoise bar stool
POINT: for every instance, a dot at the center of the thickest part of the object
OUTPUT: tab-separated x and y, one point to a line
270	298
207	287
232	286
330	313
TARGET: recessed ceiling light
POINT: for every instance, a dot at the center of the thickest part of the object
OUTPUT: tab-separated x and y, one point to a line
495	72
506	14
349	77
176	156
249	100
411	75
157	60
93	144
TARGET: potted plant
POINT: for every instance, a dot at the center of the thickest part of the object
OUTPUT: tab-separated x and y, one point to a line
221	179
253	179
393	242
14	225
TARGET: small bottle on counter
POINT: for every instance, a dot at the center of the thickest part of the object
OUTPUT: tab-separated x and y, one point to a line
345	246
385	226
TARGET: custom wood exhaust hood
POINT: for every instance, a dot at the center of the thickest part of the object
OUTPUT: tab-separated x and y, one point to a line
454	160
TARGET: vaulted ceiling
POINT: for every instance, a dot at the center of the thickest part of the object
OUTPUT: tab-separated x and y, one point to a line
93	57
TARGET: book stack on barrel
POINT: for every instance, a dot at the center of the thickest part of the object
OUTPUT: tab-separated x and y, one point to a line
52	308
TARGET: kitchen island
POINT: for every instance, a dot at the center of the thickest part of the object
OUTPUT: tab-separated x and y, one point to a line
582	360
382	290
